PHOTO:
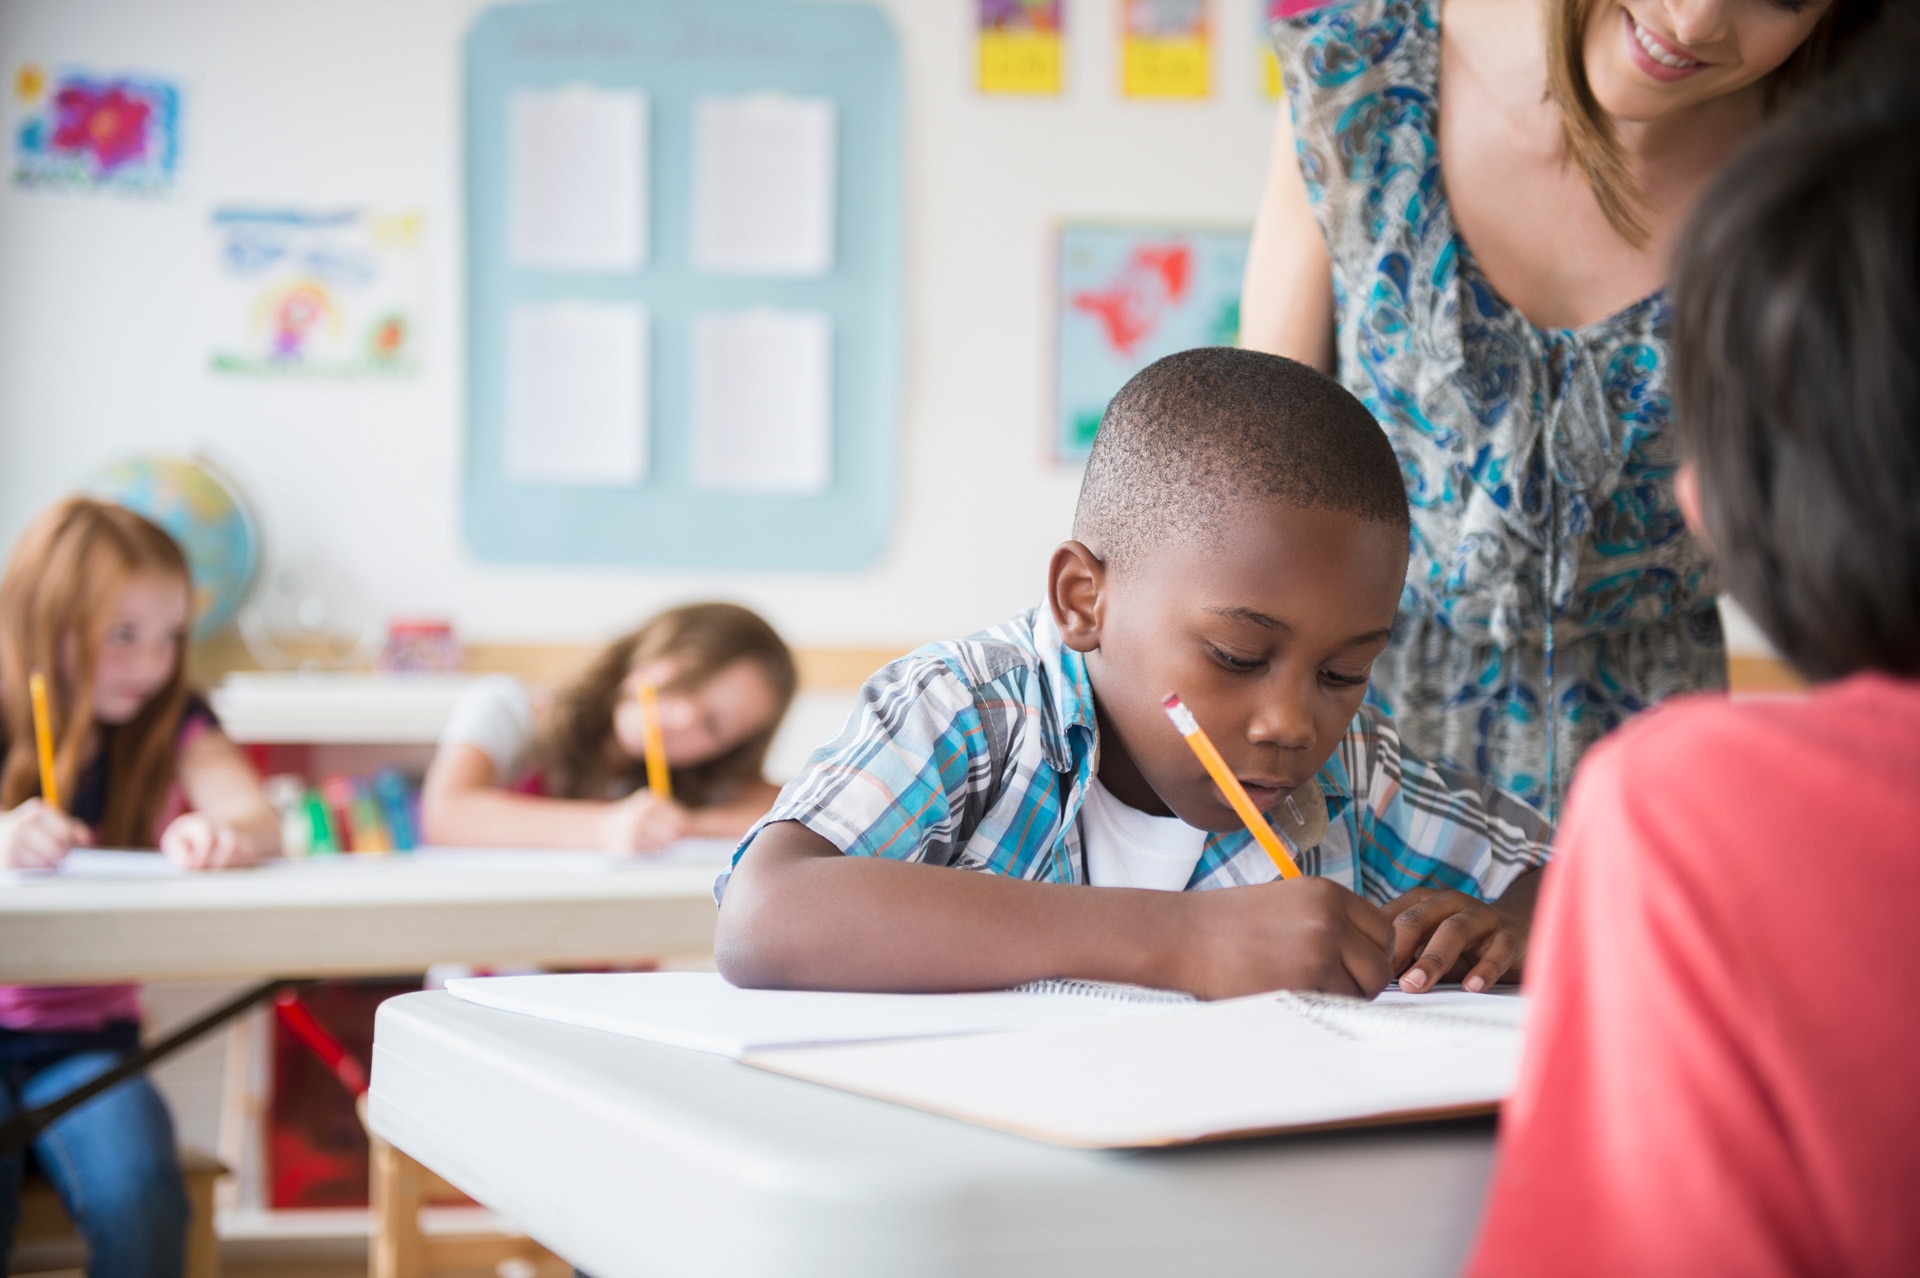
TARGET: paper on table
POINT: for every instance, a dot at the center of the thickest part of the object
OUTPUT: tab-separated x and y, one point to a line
107	863
577	393
763	179
570	860
701	1011
763	401
1268	1063
577	179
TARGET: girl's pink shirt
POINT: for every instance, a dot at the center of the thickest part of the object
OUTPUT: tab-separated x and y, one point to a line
47	1009
1719	1074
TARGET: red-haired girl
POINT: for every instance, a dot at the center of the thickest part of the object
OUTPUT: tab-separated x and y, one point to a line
98	600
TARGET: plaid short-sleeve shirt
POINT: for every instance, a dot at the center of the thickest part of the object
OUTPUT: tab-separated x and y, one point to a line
978	753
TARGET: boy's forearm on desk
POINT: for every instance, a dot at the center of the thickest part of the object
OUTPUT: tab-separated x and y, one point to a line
803	919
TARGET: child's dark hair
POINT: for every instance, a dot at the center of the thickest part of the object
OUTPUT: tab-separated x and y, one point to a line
1797	384
708	638
1194	433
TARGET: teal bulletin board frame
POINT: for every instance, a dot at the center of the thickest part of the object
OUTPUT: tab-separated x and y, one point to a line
676	52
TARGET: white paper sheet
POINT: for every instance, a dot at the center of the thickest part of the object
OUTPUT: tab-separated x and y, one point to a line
1130	1081
763	401
577	394
106	863
700	1010
577	179
763	179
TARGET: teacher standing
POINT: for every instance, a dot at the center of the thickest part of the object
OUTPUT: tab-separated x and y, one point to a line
1468	223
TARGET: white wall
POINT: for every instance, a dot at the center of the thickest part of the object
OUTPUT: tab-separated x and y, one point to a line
332	102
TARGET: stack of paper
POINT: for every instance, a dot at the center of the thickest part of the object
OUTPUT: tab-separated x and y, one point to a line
1075	1067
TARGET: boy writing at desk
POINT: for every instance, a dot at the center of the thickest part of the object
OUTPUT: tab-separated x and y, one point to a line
1240	540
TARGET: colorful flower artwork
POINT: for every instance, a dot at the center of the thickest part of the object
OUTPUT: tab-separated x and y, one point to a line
1021	46
333	293
1126	297
79	131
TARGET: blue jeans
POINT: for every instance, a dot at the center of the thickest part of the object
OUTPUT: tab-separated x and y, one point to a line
112	1160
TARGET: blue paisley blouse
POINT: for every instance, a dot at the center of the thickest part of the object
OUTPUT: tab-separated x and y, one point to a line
1552	588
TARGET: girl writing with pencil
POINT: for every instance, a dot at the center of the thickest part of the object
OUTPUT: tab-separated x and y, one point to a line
94	611
661	738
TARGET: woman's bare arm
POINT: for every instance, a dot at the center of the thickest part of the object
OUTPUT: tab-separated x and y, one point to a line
1286	303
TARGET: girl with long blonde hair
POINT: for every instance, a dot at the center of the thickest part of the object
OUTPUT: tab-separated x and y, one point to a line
570	772
98	601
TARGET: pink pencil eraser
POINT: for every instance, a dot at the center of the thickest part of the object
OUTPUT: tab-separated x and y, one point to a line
1173	699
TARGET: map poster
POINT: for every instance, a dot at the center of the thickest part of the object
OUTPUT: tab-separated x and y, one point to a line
74	130
1127	296
1021	45
1166	48
334	293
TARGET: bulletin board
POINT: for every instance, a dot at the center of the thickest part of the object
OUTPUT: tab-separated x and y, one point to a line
681	56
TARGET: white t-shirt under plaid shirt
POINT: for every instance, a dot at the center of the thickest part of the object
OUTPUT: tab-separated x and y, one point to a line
979	753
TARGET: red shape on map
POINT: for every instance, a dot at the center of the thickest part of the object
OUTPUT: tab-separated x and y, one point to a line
110	124
1155	279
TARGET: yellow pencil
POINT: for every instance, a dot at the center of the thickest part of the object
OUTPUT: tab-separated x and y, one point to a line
43	737
659	781
1189	727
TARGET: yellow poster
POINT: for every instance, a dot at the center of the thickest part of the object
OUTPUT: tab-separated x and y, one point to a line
1271	11
1021	46
1166	49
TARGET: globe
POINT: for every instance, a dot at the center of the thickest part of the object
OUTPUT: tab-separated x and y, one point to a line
205	514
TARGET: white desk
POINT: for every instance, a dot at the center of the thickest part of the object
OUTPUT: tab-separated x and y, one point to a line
631	1158
356	916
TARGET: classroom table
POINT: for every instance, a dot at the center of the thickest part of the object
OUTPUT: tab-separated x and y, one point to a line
632	1158
357	915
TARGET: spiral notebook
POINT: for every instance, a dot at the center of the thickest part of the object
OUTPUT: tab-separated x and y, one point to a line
1074	1062
1177	1074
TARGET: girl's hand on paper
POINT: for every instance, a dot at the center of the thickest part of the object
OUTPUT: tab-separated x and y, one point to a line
195	842
34	836
1440	934
1291	934
643	823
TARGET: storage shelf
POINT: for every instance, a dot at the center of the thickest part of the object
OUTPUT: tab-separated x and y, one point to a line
337	709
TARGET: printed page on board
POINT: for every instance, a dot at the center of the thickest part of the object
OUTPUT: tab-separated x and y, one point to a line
577	174
577	378
763	401
764	173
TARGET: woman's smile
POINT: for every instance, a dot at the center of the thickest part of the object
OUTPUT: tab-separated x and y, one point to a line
1656	56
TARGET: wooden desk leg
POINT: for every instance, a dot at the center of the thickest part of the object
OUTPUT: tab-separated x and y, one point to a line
398	1184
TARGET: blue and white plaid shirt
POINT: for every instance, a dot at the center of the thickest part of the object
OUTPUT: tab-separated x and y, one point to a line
978	753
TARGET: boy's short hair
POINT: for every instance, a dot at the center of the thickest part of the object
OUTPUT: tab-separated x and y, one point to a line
1193	434
1797	375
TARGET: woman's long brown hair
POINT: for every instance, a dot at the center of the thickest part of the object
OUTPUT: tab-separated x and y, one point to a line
572	752
56	601
1590	141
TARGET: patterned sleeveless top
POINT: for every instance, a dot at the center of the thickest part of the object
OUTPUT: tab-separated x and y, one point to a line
1537	460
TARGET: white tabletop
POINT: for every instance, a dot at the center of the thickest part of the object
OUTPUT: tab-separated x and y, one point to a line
630	1158
357	915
